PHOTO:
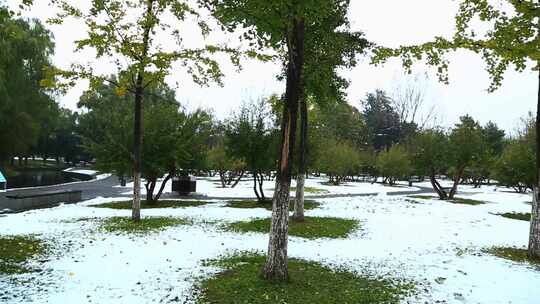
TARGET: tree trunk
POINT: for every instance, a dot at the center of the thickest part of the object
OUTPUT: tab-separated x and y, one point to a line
138	125
301	179
167	178
261	182
437	187
298	215
457	178
137	149
238	179
255	187
534	236
276	268
150	187
222	178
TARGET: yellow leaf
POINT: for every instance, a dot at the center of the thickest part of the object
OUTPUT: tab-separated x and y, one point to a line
120	91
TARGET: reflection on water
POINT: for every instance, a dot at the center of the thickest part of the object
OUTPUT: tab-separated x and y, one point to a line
40	177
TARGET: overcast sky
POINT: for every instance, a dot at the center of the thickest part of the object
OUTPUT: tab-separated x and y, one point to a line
385	22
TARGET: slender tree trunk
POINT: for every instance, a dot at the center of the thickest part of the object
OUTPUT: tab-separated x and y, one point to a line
276	268
261	182
162	187
437	187
301	179
534	236
137	150
238	179
150	187
222	178
457	178
138	124
255	187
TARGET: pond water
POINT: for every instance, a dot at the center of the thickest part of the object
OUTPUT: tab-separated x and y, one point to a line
41	177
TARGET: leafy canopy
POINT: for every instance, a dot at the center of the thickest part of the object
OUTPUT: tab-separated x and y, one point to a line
512	38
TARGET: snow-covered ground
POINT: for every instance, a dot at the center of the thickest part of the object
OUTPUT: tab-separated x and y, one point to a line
211	187
434	243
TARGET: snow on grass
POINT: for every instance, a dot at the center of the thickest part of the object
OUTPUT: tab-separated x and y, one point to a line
437	244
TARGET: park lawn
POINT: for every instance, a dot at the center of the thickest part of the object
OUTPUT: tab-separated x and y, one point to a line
240	281
17	251
516	216
147	225
312	190
267	204
311	228
513	254
455	200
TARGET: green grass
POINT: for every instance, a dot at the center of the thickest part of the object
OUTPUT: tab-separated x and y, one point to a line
146	224
311	228
309	282
16	251
308	205
146	205
465	201
513	254
456	200
312	190
517	216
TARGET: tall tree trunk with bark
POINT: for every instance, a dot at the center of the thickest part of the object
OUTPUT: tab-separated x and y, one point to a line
137	149
138	127
301	179
276	268
534	236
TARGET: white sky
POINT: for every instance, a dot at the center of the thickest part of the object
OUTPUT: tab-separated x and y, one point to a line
385	22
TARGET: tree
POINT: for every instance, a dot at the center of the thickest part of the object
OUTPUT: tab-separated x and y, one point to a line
494	138
491	148
329	46
408	101
280	25
515	166
24	105
507	38
228	168
430	156
250	136
127	32
465	147
393	164
338	160
172	134
381	120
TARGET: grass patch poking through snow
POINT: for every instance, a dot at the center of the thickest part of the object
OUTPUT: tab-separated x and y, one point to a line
455	200
513	254
310	282
312	190
146	205
308	204
16	251
145	225
517	216
311	228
